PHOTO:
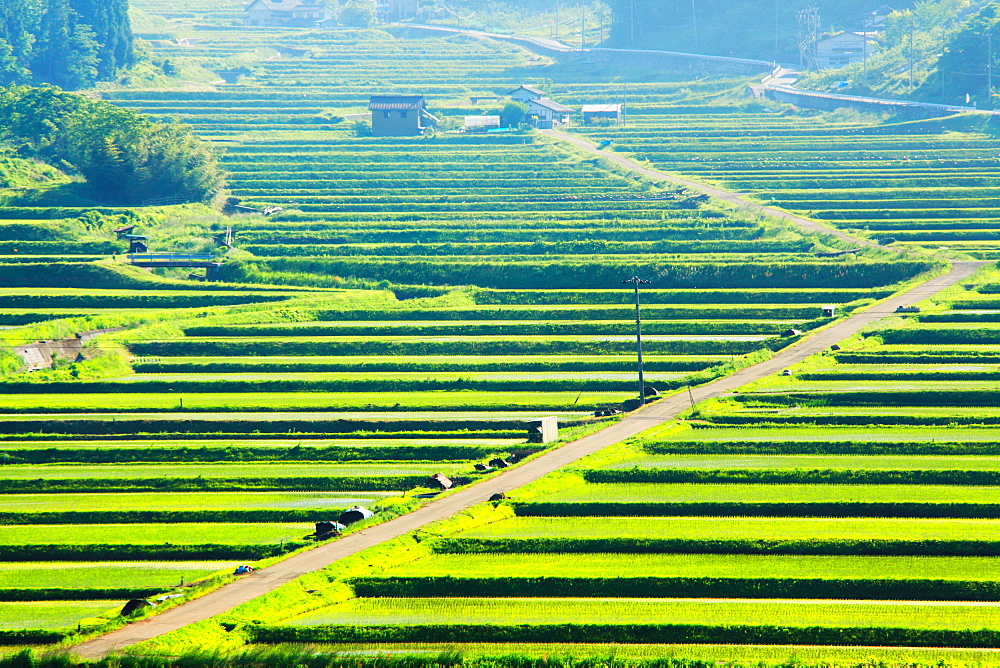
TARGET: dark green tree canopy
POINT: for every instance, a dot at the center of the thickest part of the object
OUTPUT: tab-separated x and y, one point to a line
71	43
125	158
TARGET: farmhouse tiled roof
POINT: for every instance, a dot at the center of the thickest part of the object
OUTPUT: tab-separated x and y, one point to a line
553	105
530	89
395	102
289	5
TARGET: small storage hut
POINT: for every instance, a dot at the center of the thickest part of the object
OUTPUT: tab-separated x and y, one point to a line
592	112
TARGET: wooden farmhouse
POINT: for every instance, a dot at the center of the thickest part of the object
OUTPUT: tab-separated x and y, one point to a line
526	94
286	13
548	113
399	115
592	112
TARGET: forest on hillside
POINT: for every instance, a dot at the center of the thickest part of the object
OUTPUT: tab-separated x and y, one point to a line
769	30
70	43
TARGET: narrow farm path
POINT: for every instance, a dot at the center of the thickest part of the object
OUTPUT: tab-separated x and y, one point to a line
806	224
269	579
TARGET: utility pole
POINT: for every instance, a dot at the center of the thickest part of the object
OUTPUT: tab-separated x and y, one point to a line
989	69
864	40
636	281
625	103
694	24
911	58
556	36
632	22
775	33
583	30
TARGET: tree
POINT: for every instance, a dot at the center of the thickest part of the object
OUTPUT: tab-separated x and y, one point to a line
125	158
10	69
110	22
513	113
67	51
15	32
72	43
358	14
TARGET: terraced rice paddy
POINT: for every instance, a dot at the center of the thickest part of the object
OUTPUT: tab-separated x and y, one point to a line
417	300
928	185
734	525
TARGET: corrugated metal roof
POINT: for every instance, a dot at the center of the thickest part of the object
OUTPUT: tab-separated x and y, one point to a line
395	102
601	108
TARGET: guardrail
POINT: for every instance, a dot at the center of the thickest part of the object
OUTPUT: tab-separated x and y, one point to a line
797	96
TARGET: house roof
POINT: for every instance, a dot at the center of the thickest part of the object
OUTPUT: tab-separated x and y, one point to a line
287	5
601	108
552	105
395	102
482	121
530	89
851	37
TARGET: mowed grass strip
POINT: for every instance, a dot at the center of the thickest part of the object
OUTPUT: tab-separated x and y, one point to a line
152	534
793	612
751	528
50	615
751	493
220	444
231	471
598	565
185	501
902	434
810	462
126	401
132	574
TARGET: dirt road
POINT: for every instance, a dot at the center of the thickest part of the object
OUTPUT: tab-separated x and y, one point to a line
810	226
271	578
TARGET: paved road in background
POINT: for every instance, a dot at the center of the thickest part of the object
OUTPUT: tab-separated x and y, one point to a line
272	577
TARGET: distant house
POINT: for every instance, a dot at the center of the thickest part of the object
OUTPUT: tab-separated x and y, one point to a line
399	115
286	13
525	94
592	112
481	123
843	49
548	113
396	10
876	20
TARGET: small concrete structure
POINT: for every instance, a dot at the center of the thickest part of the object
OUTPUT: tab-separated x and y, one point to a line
592	112
543	430
843	49
829	311
548	113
